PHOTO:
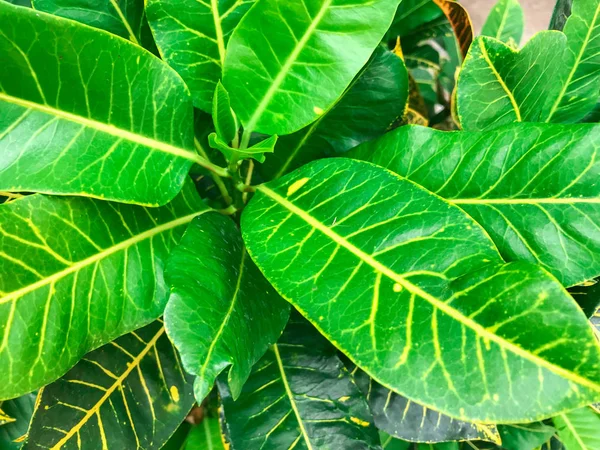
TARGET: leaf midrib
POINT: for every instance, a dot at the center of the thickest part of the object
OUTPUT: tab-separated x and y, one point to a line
442	306
100	255
289	62
105	128
118	382
573	431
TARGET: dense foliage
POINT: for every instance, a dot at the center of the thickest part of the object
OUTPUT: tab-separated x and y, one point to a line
308	224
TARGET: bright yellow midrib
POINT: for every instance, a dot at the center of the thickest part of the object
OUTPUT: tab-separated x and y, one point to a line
105	128
573	431
289	62
132	37
214	6
95	409
485	55
575	65
456	315
226	318
290	395
98	256
530	201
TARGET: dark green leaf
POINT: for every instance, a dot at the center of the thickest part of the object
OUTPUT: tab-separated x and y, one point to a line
579	429
283	50
221	312
192	37
461	23
374	100
125	18
412	15
257	151
407	420
345	233
526	436
562	11
206	436
121	130
131	393
554	78
223	116
299	395
505	22
75	273
20	409
177	440
587	296
532	187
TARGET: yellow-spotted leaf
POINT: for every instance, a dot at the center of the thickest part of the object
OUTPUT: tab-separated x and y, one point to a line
416	294
20	410
301	396
78	119
129	394
75	273
532	187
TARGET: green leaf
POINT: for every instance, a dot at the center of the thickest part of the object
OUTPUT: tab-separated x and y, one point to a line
525	436
111	134
206	436
223	116
515	181
299	394
221	312
178	438
192	37
20	409
460	21
257	151
376	98
125	18
345	233
579	429
554	78
309	46
560	14
412	16
505	22
390	443
405	419
587	296
131	393
75	273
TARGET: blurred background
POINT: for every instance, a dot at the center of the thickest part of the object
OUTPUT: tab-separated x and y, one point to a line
537	14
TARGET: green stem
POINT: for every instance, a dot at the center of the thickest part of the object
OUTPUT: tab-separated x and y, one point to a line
216	175
245	139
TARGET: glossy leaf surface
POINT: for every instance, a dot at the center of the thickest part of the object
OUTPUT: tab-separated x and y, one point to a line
205	436
76	273
299	395
192	38
459	18
125	18
20	410
131	393
282	50
346	234
223	116
532	187
404	419
525	436
120	131
579	429
221	312
560	14
376	98
505	22
554	78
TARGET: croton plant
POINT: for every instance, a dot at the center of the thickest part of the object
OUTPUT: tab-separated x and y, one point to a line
298	224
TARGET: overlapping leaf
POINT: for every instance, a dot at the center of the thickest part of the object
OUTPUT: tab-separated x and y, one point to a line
20	409
459	18
525	436
505	22
221	312
192	37
404	419
76	273
346	235
554	78
299	395
532	187
282	50
76	118
579	429
125	18
375	99
131	393
206	436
